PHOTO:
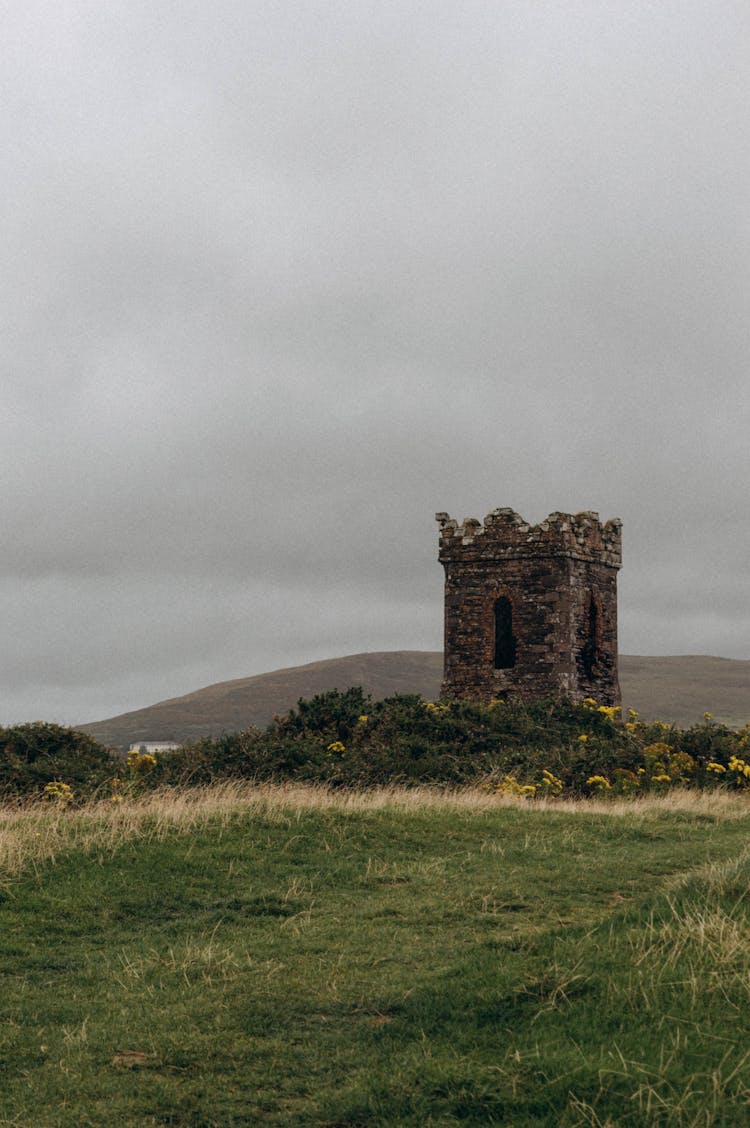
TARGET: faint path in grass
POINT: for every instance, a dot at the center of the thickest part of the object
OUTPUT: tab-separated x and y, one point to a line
286	956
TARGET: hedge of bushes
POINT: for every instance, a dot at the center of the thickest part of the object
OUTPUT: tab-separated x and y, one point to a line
347	740
34	757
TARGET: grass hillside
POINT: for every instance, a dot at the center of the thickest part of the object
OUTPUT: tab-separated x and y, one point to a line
681	689
234	705
247	955
674	689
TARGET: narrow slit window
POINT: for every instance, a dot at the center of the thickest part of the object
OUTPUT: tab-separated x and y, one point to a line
505	640
590	654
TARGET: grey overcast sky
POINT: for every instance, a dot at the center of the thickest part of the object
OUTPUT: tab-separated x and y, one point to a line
280	279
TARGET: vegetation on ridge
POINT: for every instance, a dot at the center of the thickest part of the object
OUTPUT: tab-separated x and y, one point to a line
345	740
534	749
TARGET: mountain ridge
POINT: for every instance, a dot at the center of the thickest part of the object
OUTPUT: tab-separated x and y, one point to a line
676	689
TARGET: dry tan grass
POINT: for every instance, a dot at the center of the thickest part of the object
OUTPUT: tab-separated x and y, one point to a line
714	934
35	834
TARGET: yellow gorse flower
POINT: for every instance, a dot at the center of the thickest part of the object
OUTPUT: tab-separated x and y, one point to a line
140	761
740	768
625	781
551	782
509	785
58	792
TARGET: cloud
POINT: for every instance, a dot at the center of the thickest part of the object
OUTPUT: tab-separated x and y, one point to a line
281	282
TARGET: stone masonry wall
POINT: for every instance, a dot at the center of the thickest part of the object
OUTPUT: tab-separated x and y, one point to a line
560	581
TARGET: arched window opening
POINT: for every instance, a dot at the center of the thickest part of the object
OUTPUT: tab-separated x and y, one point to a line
505	640
590	649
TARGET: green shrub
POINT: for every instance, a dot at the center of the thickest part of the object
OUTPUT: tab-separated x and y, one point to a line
344	739
36	754
332	714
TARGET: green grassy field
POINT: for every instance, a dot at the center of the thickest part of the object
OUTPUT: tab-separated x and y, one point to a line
244	956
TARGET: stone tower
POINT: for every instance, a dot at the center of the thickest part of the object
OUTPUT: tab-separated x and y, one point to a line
531	610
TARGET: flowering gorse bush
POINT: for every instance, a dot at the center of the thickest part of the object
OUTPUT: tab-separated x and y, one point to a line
35	753
543	748
139	760
509	785
549	749
739	771
550	783
61	794
116	792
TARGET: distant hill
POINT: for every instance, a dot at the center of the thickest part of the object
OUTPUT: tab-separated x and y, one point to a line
674	689
681	689
229	706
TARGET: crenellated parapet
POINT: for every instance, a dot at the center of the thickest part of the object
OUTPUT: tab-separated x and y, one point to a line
506	535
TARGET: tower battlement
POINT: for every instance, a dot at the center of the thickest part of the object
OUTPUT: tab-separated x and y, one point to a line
506	535
531	610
